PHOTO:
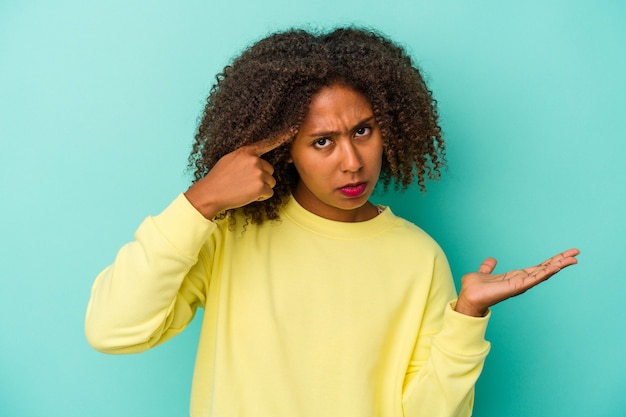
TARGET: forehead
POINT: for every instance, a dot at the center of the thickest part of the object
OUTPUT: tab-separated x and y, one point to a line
335	107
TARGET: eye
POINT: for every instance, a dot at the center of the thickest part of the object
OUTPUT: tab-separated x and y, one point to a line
362	131
321	143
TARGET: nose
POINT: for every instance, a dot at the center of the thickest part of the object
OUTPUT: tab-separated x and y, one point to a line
350	158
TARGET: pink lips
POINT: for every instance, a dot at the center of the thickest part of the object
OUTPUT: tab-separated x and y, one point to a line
353	190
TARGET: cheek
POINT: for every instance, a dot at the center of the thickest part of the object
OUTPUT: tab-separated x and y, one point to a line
306	171
305	162
376	156
312	174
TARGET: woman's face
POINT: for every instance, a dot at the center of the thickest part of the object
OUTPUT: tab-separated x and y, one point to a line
338	154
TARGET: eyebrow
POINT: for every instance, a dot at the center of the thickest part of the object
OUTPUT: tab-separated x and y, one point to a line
333	133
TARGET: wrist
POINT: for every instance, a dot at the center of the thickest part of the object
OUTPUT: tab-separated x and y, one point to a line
202	203
463	307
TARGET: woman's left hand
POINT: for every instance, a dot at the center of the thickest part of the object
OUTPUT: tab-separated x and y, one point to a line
481	290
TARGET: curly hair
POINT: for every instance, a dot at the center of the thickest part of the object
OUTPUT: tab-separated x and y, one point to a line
267	90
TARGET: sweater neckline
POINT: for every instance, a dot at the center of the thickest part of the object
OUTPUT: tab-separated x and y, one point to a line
336	229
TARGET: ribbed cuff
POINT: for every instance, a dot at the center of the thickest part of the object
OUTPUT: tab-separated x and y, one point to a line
463	334
183	226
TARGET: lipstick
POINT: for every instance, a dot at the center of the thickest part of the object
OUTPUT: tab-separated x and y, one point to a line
353	190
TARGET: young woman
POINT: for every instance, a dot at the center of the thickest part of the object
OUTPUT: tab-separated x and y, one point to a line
317	302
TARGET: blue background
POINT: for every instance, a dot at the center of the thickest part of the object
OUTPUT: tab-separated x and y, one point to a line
99	103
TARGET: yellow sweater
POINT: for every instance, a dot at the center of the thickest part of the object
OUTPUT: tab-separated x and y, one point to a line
304	317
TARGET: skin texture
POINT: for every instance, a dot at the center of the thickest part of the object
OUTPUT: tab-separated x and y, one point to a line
237	179
339	144
481	290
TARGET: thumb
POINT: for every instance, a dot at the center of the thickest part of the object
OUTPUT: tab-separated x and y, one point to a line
487	266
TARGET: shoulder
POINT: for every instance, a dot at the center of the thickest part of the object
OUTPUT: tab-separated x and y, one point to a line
411	233
237	224
413	245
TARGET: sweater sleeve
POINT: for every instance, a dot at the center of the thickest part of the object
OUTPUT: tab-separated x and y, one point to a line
151	291
448	357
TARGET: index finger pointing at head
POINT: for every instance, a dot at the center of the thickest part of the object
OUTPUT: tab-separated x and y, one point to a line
266	145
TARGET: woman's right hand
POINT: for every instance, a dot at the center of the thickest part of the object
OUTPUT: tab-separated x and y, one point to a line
238	178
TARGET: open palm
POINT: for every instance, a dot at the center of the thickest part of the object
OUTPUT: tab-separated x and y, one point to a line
481	290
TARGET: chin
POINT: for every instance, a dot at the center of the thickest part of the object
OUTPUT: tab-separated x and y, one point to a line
354	203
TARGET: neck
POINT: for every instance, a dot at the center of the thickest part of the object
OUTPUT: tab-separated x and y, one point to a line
304	197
